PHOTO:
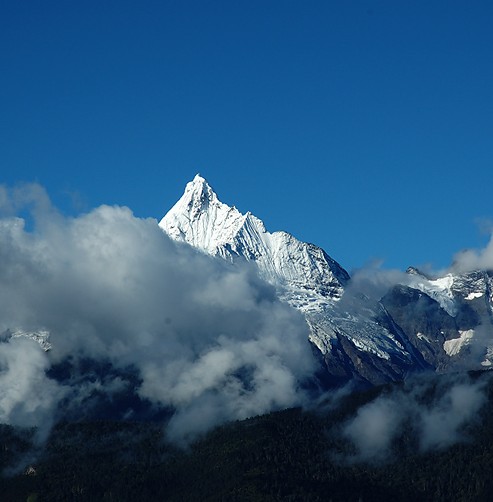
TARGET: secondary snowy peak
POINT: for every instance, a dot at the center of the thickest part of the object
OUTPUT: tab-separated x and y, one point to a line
200	219
452	290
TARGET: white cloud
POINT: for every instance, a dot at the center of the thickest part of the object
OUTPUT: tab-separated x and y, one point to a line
474	259
208	338
28	397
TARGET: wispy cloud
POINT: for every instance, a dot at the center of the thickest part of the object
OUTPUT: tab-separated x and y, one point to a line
433	410
474	259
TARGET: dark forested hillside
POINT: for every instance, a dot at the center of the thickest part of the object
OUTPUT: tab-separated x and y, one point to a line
287	455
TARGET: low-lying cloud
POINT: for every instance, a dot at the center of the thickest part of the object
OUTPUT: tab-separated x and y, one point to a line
209	340
433	412
27	396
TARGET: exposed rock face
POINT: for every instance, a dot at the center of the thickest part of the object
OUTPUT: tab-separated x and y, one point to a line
448	319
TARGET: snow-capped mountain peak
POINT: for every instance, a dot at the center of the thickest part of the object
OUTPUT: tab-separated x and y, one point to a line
199	196
304	275
202	220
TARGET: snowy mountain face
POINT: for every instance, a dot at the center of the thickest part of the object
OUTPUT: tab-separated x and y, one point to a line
442	323
201	220
355	338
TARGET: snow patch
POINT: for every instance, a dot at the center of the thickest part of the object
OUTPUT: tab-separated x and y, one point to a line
489	356
454	346
472	296
421	336
439	289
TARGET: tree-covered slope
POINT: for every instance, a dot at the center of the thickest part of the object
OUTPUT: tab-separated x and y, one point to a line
287	455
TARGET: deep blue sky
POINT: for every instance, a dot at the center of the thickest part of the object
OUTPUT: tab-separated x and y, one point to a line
365	127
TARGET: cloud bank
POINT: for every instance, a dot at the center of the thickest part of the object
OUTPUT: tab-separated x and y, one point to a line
209	341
